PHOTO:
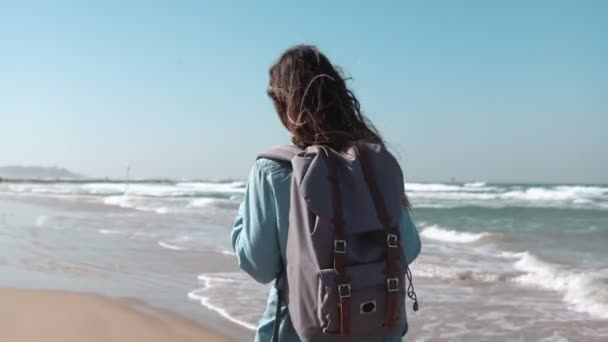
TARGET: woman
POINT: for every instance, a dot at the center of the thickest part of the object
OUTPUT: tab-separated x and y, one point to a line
314	104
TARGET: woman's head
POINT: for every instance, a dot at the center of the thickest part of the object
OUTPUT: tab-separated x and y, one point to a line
314	103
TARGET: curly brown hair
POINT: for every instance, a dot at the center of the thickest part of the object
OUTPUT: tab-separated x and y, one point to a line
314	103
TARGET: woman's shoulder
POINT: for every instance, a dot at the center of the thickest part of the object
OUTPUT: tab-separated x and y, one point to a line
275	171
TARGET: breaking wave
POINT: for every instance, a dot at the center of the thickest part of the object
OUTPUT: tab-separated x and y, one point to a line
438	233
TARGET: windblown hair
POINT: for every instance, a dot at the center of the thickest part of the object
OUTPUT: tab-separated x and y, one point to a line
313	102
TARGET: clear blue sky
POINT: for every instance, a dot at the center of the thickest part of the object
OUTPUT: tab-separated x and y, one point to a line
484	90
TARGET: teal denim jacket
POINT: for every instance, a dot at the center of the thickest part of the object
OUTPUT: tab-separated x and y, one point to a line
259	237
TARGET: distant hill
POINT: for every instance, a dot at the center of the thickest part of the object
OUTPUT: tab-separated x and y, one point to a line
36	172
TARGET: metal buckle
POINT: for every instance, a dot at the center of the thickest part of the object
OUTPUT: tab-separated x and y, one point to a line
391	240
340	246
392	284
344	290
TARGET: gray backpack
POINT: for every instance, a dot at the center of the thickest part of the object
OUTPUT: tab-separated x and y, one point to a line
345	271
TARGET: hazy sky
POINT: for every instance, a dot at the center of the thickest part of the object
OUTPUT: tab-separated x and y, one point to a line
483	90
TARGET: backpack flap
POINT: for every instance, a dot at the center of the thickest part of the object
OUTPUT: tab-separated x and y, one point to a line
311	173
283	153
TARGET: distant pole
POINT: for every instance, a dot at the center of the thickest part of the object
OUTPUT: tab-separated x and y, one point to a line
127	177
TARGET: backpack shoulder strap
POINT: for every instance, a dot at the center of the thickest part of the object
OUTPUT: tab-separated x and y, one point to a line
281	153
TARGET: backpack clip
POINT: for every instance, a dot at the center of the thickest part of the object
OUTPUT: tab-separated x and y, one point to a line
391	240
392	284
344	290
340	246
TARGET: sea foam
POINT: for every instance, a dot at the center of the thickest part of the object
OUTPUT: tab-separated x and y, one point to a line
586	291
423	195
233	288
170	246
438	233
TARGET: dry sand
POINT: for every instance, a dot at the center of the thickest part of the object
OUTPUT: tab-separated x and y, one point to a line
52	316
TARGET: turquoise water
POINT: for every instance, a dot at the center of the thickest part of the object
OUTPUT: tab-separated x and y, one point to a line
525	262
576	237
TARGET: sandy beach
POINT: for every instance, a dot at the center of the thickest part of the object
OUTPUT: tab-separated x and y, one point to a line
53	316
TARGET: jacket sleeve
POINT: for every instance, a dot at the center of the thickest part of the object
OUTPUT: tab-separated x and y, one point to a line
410	240
255	234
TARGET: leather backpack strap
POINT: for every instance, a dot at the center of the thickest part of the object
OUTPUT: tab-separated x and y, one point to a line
339	252
393	249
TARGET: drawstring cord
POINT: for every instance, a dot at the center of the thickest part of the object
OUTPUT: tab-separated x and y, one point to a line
410	289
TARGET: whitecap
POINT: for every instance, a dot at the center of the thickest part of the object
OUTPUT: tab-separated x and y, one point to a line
201	202
585	291
109	232
161	210
141	234
41	220
475	185
225	188
435	232
170	246
121	201
432	187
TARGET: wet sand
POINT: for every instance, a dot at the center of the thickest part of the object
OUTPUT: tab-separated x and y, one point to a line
53	316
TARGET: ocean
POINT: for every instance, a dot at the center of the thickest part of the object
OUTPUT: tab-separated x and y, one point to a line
500	262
